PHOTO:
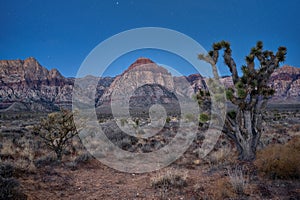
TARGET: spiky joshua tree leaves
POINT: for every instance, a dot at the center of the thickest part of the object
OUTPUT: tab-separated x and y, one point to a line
56	130
249	93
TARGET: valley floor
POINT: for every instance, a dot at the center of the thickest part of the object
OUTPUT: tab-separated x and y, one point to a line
80	176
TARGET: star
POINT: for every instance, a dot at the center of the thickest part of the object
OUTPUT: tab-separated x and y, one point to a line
117	3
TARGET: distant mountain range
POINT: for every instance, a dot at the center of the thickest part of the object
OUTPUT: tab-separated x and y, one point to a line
25	85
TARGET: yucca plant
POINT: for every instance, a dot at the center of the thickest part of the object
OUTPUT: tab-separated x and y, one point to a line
250	93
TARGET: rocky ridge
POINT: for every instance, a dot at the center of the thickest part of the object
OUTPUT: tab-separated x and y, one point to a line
26	85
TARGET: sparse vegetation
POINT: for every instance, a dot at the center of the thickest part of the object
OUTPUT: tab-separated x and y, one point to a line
189	117
123	122
45	160
168	119
219	157
223	190
280	161
9	186
203	118
237	180
169	179
56	130
137	122
83	158
197	178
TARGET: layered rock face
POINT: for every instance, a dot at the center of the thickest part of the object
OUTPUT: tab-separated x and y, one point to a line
26	85
140	73
27	82
144	79
286	82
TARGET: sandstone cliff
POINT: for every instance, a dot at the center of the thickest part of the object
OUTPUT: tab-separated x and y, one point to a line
26	85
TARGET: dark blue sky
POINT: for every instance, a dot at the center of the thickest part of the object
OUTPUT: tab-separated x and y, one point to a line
60	34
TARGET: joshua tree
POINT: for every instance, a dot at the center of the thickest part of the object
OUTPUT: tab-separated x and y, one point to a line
249	93
56	130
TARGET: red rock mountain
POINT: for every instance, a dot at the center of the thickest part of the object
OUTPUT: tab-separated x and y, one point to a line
286	82
27	82
26	85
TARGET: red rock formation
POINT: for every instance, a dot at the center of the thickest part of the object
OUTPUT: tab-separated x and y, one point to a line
26	81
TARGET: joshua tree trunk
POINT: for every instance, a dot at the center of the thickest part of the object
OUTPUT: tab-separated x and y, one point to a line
247	134
245	131
58	154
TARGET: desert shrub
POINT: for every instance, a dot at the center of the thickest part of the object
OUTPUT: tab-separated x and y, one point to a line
203	118
101	120
71	165
9	186
168	119
124	121
280	161
232	114
294	144
83	158
8	150
238	180
6	170
295	128
189	117
171	178
222	190
137	121
146	148
45	160
125	143
219	157
56	131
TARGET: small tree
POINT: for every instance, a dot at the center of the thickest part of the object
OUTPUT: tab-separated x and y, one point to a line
249	93
56	130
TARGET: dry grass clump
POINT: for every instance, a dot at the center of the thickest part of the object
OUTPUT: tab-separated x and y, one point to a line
238	180
169	182
170	178
223	190
280	161
220	157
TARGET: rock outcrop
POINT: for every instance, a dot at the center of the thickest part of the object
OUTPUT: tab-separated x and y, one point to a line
25	85
27	82
286	82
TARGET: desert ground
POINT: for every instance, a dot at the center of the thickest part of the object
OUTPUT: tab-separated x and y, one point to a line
30	170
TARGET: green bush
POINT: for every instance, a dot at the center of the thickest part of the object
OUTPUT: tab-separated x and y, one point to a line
203	118
280	161
232	114
168	119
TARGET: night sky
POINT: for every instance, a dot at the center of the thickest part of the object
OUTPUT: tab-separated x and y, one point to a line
60	34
